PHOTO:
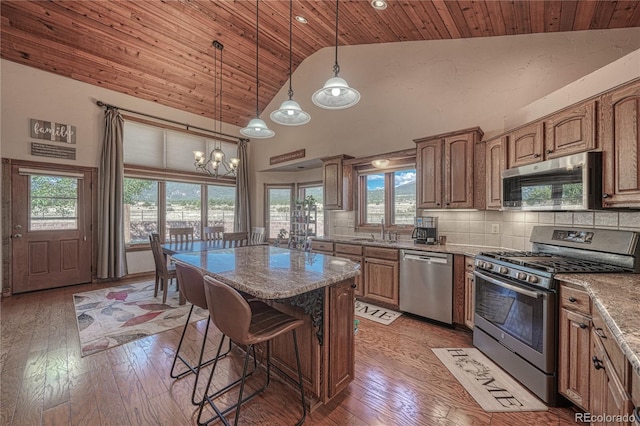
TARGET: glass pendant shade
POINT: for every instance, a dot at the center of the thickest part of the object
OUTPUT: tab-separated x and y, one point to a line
290	114
258	129
336	94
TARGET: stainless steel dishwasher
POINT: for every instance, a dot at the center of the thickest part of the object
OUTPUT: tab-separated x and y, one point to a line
426	284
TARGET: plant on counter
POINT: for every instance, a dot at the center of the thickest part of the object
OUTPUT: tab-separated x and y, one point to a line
282	234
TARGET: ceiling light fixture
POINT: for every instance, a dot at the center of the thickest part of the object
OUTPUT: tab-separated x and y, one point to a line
380	164
336	93
211	165
379	4
290	113
257	128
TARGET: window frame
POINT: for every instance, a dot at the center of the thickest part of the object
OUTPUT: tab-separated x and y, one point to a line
162	176
361	172
300	193
266	204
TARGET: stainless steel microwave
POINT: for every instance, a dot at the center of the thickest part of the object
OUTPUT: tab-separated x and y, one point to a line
573	182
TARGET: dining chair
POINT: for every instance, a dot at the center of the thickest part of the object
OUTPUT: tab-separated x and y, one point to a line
234	239
246	323
212	233
180	235
165	272
257	236
192	290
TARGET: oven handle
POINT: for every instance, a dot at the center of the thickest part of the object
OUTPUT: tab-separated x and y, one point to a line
534	294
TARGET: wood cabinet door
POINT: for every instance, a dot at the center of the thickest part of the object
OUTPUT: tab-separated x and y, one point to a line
458	171
574	361
429	174
496	163
620	137
381	280
525	145
341	352
359	279
332	183
571	131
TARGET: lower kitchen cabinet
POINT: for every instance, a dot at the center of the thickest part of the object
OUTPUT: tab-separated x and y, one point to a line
353	252
381	276
593	372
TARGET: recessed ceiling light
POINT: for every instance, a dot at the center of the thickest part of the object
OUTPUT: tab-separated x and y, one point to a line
302	19
379	4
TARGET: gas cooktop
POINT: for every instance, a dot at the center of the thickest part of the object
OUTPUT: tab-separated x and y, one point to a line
551	263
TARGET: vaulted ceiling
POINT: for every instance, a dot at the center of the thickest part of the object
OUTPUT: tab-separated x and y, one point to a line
162	50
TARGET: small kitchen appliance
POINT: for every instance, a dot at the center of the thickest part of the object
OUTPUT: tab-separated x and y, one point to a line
426	230
516	297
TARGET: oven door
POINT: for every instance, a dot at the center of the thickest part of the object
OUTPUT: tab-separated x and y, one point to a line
521	318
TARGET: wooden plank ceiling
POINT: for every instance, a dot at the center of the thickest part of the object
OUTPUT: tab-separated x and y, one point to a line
161	50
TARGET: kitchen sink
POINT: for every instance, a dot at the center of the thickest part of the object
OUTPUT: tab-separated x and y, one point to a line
372	240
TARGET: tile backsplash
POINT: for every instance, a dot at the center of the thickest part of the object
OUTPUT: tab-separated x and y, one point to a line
513	228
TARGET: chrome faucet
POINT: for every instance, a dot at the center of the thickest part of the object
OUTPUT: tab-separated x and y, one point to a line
382	229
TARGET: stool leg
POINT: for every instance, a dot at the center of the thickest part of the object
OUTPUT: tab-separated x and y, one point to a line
244	377
304	407
176	356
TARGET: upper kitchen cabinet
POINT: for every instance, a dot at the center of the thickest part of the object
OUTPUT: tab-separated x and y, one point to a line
525	145
571	131
496	162
620	138
336	183
445	169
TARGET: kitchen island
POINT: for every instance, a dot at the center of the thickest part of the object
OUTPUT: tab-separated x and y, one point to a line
313	287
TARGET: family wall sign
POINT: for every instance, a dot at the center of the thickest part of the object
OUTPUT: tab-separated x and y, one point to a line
54	132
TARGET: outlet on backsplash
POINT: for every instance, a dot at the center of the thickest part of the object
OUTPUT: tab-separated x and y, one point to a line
495	228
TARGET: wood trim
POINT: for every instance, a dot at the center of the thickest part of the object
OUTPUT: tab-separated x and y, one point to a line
175	175
451	134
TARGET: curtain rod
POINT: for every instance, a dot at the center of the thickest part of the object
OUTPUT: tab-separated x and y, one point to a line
188	126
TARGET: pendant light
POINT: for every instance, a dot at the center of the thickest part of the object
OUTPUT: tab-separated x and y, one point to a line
290	113
257	128
336	93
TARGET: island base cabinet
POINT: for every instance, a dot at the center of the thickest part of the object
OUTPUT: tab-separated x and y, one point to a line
328	368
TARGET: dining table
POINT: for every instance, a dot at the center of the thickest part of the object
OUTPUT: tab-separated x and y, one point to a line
317	288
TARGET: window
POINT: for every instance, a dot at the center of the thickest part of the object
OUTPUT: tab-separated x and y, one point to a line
221	203
278	211
140	210
184	201
387	197
53	202
315	190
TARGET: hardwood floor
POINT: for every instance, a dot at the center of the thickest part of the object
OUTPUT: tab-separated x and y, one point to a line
44	380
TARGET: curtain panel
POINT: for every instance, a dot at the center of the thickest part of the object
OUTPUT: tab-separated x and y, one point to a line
112	262
243	212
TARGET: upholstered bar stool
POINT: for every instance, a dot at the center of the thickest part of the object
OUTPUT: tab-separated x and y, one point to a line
247	324
192	289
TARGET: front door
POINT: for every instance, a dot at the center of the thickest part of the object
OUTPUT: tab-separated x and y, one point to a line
51	238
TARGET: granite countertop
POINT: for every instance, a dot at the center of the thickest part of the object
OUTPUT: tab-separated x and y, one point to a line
409	245
271	272
617	298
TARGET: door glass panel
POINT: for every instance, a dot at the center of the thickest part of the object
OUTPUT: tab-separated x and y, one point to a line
183	207
53	203
404	197
140	210
221	201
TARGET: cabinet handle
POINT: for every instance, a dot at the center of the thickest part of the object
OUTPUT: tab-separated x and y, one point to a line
582	325
573	299
437	204
605	195
536	155
597	364
353	285
549	151
600	333
448	203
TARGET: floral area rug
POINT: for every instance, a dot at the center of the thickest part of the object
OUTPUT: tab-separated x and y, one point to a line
117	315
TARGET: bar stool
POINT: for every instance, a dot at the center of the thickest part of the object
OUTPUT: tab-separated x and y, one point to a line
192	289
247	324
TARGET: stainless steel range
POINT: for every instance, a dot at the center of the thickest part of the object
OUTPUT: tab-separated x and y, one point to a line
516	311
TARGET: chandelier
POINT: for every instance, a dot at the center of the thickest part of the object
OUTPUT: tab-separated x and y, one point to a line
211	164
